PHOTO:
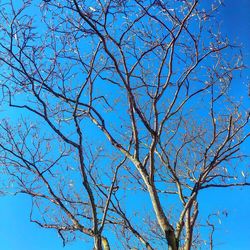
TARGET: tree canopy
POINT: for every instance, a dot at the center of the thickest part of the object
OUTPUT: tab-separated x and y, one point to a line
119	114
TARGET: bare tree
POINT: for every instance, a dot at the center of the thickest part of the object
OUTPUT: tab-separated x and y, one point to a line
118	115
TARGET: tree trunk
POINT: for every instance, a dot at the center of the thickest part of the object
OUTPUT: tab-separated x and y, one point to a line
167	229
97	243
172	241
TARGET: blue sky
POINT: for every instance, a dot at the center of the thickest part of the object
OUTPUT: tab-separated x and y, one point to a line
17	233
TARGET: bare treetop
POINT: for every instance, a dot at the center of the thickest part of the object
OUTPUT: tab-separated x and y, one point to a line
118	114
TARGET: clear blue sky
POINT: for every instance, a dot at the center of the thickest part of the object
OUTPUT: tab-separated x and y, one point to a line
17	233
